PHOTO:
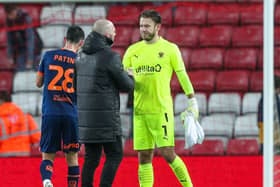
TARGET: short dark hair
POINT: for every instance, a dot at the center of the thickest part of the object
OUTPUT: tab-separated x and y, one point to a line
75	34
154	15
9	7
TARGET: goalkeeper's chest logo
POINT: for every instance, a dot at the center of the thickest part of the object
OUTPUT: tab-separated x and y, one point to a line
160	54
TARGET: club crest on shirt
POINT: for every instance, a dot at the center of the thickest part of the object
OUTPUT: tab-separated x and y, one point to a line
160	54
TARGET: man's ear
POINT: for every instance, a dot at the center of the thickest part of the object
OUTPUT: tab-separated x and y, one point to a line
81	43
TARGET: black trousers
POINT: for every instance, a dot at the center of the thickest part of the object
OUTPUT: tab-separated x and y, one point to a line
93	151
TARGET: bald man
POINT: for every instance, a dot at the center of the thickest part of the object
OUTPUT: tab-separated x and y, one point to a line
100	78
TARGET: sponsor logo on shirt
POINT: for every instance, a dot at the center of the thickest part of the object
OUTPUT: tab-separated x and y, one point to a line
148	68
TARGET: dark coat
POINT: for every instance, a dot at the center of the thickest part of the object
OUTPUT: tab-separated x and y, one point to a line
100	78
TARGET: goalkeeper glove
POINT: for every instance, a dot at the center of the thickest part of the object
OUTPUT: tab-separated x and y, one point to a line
191	108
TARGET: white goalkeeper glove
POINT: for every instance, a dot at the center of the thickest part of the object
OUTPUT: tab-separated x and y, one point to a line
192	108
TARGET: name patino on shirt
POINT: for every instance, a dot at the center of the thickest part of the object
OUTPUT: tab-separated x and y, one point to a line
62	58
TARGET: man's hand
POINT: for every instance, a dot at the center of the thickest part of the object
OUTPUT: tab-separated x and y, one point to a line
130	71
191	108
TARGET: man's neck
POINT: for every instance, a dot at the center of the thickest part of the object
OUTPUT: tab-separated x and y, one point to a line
70	47
154	40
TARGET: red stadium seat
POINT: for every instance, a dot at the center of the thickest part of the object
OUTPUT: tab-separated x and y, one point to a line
247	36
203	80
209	147
6	81
250	1
251	14
242	147
191	14
277	35
5	62
135	37
277	14
208	58
240	58
256	81
128	148
180	147
165	13
186	55
183	36
232	81
2	16
3	38
223	14
123	36
123	14
215	36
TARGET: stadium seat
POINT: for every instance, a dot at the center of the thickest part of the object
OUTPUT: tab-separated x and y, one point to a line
247	36
34	12
53	35
218	124
128	148
250	102
246	126
203	80
251	14
180	147
240	58
256	81
3	39
25	81
276	35
242	147
215	36
181	100
209	147
277	14
38	120
87	29
224	103
28	101
191	14
123	14
135	37
207	58
57	14
6	81
6	64
2	16
232	81
186	55
184	36
123	38
165	11
86	14
179	129
223	14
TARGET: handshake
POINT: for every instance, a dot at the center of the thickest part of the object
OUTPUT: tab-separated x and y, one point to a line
192	108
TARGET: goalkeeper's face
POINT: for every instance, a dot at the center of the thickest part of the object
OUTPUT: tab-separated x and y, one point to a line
148	29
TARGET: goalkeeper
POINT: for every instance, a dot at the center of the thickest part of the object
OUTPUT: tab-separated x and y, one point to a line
153	61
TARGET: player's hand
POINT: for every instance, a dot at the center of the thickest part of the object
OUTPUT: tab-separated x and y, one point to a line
191	108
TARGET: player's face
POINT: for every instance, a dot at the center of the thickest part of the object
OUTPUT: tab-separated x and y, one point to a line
148	29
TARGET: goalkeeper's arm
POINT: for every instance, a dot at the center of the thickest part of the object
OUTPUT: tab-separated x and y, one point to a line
189	91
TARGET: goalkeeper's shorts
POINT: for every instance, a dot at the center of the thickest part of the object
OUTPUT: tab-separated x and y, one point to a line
150	130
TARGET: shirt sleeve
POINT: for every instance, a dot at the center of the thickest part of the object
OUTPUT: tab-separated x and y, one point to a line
180	70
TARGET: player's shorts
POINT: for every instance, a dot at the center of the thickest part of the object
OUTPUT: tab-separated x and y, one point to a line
56	129
153	130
